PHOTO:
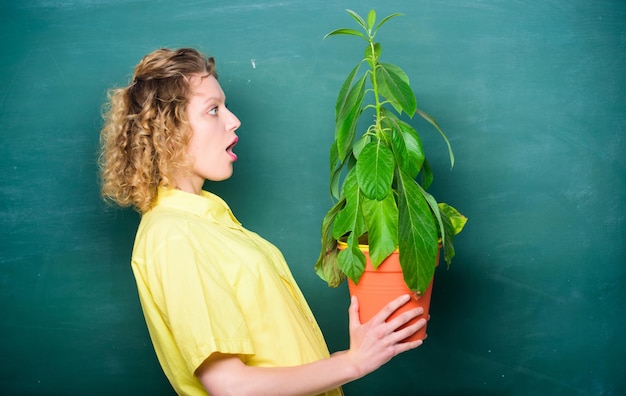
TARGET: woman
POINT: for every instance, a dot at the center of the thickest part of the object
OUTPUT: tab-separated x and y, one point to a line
223	310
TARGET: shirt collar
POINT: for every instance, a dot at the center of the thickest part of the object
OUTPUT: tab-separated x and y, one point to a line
207	205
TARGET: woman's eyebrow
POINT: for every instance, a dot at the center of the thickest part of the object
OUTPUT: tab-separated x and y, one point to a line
218	99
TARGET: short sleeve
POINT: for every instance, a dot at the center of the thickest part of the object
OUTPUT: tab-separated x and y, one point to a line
196	302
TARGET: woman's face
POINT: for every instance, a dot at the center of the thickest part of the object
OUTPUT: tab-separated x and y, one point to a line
213	134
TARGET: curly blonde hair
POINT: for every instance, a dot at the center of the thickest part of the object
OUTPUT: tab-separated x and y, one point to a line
144	139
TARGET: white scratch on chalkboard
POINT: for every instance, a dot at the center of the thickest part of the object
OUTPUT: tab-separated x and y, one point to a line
12	79
56	64
253	63
524	286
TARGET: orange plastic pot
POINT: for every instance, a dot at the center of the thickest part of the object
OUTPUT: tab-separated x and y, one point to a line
378	287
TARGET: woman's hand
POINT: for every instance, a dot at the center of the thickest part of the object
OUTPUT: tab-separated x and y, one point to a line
374	343
371	345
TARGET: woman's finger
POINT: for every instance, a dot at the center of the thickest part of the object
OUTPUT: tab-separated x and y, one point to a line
353	313
405	318
407	331
390	308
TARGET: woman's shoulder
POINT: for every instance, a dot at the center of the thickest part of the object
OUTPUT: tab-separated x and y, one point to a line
162	222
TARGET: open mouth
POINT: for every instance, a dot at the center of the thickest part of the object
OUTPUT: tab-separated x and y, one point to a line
229	149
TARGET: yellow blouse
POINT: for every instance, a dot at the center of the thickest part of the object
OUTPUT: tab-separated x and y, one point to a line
207	284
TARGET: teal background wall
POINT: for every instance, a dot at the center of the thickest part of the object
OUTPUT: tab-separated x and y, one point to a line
532	95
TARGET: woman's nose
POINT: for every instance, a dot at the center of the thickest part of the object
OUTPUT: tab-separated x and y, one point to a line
234	120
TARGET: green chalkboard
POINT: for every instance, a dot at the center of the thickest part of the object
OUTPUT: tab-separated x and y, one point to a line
532	95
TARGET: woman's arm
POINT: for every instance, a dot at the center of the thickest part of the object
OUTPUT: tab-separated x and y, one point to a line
371	345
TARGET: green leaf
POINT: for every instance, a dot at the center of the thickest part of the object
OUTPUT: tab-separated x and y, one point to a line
453	223
345	132
327	223
417	235
358	19
396	71
385	20
326	266
360	144
414	147
427	174
347	117
406	145
372	53
344	31
398	145
349	219
328	269
457	220
343	104
335	171
434	123
374	170
351	260
448	241
434	208
393	84
371	20
381	218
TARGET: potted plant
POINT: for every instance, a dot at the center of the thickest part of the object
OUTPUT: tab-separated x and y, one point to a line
378	179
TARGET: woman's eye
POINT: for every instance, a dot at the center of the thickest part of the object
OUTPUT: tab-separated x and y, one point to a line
213	110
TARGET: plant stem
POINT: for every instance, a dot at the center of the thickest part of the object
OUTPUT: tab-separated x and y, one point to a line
375	86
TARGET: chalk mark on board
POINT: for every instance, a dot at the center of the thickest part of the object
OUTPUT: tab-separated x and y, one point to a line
56	64
11	83
512	282
540	375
